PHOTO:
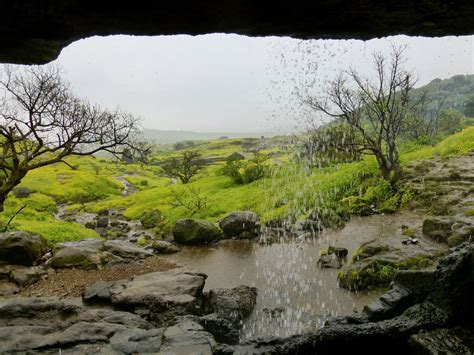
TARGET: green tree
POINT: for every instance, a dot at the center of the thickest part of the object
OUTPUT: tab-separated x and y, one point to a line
42	122
469	107
184	167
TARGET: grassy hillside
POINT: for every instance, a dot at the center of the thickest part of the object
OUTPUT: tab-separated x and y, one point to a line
292	189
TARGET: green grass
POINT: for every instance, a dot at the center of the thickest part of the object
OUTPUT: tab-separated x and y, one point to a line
293	189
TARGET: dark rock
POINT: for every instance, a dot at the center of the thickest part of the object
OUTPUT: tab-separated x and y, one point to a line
237	223
102	222
419	282
233	304
98	292
21	192
22	248
391	304
338	251
223	330
329	262
91	225
195	231
443	341
103	213
453	276
163	247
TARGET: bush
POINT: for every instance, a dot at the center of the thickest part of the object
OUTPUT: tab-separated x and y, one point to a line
245	172
152	219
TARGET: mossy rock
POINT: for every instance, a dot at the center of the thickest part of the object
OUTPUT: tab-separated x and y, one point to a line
195	231
370	249
22	248
85	254
379	271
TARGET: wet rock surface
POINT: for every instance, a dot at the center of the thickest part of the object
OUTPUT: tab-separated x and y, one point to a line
159	312
404	320
241	224
95	253
192	231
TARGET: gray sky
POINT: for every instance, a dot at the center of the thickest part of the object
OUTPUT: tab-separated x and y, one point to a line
230	83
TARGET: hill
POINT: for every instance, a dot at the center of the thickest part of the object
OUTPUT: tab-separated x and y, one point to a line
452	92
168	137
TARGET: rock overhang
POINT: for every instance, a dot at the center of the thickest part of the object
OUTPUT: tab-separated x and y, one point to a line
34	32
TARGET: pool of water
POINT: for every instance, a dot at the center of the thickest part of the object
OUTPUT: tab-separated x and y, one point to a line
294	294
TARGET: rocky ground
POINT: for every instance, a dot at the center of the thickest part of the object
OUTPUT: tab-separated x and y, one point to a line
112	295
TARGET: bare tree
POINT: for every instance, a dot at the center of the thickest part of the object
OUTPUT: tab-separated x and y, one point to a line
184	167
374	109
42	122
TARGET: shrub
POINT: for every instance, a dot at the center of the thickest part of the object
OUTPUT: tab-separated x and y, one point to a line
245	172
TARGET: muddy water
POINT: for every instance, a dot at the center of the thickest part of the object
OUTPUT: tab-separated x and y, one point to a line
294	293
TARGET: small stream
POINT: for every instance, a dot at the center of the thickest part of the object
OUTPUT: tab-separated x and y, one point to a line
294	294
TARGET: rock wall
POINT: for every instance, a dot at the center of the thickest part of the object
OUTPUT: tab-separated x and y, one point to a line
36	31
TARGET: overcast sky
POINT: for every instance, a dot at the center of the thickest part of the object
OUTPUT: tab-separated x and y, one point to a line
230	83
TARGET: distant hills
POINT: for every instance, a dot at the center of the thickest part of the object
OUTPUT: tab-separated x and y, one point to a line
452	92
169	137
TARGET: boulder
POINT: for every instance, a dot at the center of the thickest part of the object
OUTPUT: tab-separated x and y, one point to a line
233	304
195	231
84	254
21	192
163	247
243	224
160	295
126	250
27	275
330	261
22	248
